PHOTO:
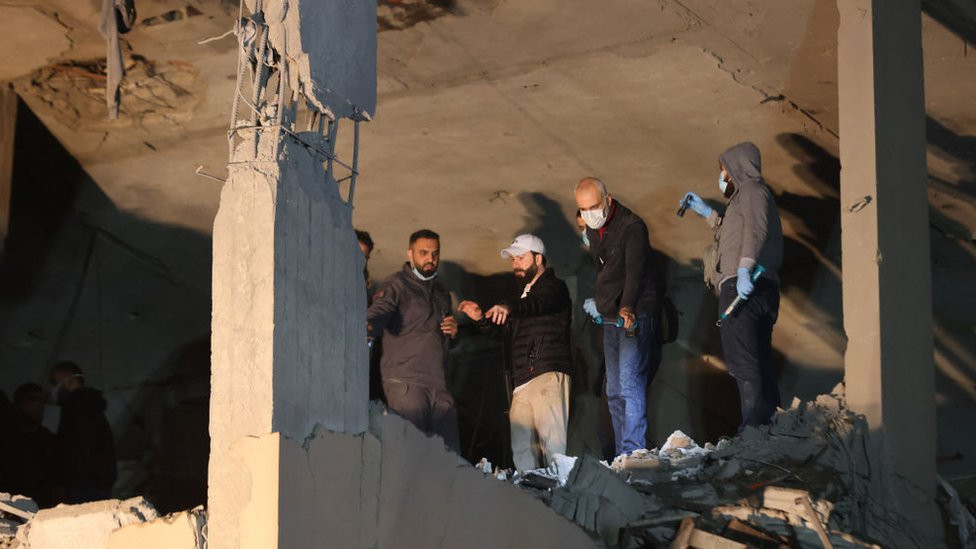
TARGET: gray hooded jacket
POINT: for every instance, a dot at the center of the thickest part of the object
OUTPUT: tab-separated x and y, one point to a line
750	232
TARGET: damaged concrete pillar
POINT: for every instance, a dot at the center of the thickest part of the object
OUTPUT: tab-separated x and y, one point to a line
289	327
289	341
889	368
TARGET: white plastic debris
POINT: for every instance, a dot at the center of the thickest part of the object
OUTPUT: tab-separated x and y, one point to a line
484	466
561	465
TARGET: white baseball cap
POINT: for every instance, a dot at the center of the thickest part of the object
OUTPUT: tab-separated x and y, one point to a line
524	243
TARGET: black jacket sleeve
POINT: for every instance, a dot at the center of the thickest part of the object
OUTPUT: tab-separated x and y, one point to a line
543	299
635	260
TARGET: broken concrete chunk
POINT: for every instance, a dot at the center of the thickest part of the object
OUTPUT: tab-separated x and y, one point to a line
21	507
177	531
85	525
598	500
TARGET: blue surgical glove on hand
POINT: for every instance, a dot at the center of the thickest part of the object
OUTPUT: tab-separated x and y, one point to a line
697	204
744	283
590	307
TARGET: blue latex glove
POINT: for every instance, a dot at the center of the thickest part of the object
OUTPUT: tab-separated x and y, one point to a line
590	307
697	204
744	283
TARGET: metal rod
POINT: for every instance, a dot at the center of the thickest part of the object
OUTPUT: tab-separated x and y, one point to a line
333	130
260	79
199	171
355	161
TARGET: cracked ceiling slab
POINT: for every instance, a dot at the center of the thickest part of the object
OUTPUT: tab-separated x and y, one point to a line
37	40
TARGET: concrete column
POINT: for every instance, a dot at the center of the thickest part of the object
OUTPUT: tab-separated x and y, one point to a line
289	325
889	369
8	124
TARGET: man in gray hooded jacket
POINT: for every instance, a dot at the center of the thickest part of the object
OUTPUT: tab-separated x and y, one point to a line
748	235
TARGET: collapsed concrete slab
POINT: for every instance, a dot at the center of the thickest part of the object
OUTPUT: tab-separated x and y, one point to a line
391	487
800	481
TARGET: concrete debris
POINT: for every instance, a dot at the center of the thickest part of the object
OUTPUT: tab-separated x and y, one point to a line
88	525
556	474
959	515
484	466
679	450
21	507
15	511
595	498
799	481
184	530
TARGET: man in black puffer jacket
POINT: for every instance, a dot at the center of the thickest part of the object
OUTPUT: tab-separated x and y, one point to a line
538	323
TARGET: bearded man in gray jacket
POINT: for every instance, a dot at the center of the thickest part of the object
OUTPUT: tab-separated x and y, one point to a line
748	235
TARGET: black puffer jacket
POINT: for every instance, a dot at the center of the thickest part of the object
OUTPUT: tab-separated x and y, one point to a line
627	275
538	326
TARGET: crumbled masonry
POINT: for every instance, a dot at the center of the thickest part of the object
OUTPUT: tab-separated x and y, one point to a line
801	480
109	524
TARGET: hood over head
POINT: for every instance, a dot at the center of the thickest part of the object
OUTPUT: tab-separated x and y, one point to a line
744	164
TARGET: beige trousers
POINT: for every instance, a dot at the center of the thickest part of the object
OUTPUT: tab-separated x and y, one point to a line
539	416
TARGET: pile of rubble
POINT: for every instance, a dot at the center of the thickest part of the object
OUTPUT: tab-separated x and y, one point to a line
800	481
109	524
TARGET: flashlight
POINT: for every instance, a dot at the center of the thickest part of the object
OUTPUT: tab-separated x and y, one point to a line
684	206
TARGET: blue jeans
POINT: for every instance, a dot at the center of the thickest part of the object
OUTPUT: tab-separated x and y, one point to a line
631	364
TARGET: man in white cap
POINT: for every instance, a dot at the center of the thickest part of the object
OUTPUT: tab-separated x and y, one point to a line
538	325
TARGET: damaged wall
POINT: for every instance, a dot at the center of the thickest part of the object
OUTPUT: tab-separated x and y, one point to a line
390	487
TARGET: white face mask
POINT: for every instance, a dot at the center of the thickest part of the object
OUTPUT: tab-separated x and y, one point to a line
419	275
722	183
595	219
586	240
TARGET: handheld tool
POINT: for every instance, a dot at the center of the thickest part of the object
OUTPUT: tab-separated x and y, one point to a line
684	206
738	299
615	321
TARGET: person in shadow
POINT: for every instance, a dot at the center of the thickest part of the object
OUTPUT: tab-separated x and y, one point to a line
85	449
29	462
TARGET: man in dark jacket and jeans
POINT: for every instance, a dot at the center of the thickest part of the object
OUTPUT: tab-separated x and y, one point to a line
412	312
748	235
627	287
538	323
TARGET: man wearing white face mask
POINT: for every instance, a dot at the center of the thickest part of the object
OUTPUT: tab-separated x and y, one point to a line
747	235
628	286
412	312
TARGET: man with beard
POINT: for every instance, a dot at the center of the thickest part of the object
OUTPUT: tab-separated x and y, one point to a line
537	323
748	235
412	312
628	287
